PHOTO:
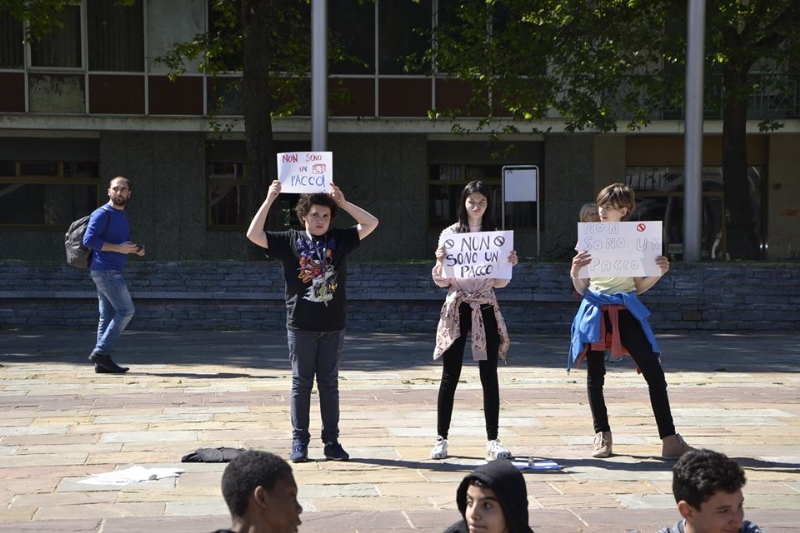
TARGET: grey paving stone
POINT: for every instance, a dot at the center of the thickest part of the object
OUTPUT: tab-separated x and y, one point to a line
67	423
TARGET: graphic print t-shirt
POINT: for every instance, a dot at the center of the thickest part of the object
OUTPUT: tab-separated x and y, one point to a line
315	271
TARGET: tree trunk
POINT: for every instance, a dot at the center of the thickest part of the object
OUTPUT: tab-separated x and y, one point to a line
743	243
257	105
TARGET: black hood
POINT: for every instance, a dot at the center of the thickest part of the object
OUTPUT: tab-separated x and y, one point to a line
508	485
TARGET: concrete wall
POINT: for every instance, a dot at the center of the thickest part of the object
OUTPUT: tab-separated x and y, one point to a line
569	163
167	173
387	176
390	297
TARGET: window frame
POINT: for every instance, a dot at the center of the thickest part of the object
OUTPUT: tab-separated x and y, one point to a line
59	179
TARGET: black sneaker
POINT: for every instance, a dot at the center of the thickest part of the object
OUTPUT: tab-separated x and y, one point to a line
107	364
299	452
335	452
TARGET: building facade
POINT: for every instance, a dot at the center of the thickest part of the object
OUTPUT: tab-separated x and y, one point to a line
93	101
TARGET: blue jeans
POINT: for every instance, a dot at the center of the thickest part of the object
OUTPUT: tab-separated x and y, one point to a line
315	352
116	308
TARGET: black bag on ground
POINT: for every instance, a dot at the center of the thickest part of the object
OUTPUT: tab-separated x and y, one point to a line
212	455
79	255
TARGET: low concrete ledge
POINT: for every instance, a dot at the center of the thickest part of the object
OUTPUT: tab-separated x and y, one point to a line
391	296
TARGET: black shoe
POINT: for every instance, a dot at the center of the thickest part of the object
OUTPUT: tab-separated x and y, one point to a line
299	452
107	364
335	452
100	370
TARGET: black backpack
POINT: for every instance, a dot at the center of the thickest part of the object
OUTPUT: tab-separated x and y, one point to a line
79	255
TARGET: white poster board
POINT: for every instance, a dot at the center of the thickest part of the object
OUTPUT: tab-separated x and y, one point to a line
482	254
627	249
520	184
305	172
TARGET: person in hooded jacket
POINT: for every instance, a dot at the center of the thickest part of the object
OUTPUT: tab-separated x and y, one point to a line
493	499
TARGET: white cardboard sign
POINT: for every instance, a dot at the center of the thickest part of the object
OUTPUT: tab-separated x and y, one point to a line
482	254
305	172
625	249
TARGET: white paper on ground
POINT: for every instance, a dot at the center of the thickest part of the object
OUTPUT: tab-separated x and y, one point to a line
130	475
540	464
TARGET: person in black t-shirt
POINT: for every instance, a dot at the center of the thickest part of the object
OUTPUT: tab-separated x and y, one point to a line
315	271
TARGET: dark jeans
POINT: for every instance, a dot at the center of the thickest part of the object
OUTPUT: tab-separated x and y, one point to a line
453	360
315	353
633	338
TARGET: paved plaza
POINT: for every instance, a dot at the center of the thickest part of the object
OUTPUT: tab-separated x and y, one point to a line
60	423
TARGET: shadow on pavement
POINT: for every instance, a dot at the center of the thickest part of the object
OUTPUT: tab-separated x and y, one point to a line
692	352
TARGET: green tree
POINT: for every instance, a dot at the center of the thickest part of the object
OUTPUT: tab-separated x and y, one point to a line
43	16
268	41
600	63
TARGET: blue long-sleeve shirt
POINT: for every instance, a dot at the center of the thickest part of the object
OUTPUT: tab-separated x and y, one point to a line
586	325
116	232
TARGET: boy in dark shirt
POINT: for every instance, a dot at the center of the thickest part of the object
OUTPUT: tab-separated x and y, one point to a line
315	271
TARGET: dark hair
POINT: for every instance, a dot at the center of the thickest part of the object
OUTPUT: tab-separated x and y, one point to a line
487	222
618	195
127	181
318	198
699	474
247	471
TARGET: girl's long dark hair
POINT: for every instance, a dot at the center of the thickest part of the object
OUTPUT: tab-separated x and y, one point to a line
487	222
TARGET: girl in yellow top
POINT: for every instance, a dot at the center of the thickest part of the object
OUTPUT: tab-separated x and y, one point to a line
611	311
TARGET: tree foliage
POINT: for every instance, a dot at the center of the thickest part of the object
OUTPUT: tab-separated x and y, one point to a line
598	64
43	16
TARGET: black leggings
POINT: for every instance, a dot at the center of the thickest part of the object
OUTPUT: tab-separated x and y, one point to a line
453	359
633	338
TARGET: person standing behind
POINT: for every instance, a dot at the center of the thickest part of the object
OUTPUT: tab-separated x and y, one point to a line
261	493
315	271
707	486
589	213
493	499
471	305
108	236
611	310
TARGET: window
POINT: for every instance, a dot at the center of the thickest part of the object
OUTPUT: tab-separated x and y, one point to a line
228	186
47	193
659	196
352	26
452	165
116	36
62	47
399	35
10	41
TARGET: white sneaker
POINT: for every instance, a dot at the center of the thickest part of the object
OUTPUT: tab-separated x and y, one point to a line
496	450
439	450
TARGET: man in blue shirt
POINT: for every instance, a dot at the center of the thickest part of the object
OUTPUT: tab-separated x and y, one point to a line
108	236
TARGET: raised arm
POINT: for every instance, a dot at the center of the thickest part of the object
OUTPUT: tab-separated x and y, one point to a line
645	283
438	269
580	260
366	222
256	232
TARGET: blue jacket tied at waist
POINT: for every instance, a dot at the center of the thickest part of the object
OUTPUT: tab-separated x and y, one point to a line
586	325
